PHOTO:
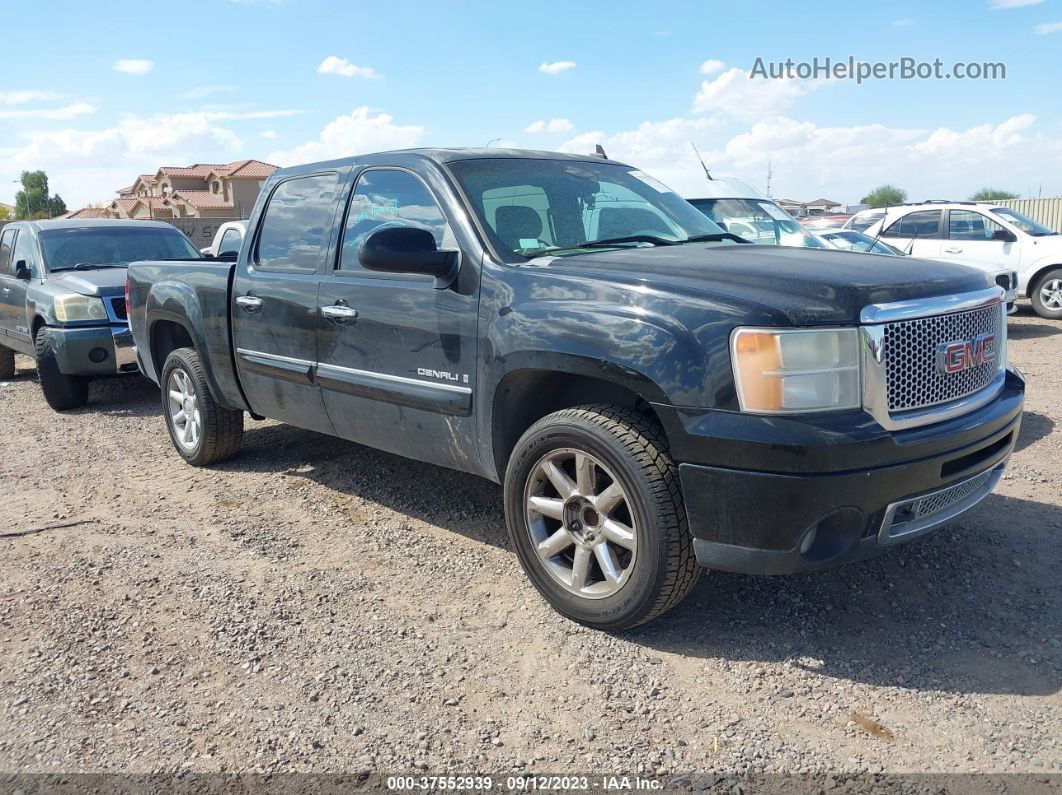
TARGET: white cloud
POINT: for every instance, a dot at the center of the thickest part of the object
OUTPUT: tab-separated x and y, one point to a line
268	134
199	92
1048	27
556	67
842	163
904	22
553	126
133	66
334	65
53	114
711	66
26	97
736	93
1000	5
356	133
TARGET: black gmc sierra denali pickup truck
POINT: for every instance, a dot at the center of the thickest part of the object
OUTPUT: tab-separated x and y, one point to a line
655	394
62	298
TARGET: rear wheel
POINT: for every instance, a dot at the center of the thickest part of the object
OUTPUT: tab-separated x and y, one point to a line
7	362
1047	295
595	513
202	431
63	392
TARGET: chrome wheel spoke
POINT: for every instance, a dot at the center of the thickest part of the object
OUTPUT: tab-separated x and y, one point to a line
606	559
546	506
584	474
580	568
609	498
618	534
555	544
561	482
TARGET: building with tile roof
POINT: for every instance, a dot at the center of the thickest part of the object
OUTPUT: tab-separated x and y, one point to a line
201	190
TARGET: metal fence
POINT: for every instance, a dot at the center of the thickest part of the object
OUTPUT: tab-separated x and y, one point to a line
1047	211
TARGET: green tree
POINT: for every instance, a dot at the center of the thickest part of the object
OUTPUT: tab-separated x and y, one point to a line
33	201
885	196
5	214
993	195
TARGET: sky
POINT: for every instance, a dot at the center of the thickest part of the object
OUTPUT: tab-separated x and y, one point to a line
96	93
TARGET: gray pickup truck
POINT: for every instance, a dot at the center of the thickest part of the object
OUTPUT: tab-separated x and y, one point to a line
62	298
655	394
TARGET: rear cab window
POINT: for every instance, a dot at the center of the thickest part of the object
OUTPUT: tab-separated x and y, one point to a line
296	224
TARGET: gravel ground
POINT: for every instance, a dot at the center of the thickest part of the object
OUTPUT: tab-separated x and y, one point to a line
318	606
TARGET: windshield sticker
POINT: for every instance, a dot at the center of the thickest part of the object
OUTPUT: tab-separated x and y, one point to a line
529	242
652	182
776	212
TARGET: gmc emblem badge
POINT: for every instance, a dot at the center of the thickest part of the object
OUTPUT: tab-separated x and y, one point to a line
954	357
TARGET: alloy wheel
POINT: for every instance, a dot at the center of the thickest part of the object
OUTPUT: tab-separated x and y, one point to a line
185	417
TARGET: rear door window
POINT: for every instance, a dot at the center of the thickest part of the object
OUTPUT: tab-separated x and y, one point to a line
7	243
296	224
924	225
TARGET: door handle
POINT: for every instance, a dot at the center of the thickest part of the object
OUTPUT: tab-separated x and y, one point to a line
953	250
249	303
339	313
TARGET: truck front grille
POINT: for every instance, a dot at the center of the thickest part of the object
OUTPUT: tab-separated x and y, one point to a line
916	515
913	380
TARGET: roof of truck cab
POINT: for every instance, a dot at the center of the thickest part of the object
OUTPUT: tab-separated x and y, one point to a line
78	223
449	155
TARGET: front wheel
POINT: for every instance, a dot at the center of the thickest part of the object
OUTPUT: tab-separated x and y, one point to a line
202	430
595	513
63	392
1047	295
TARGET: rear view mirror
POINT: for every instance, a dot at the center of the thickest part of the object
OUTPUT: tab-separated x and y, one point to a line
22	271
1004	236
405	249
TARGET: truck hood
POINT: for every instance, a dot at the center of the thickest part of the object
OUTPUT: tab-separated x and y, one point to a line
806	286
102	282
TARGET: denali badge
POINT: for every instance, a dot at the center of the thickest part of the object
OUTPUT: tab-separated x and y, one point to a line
954	357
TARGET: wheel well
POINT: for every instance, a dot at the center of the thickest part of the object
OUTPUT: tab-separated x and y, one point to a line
1034	282
166	337
526	396
38	321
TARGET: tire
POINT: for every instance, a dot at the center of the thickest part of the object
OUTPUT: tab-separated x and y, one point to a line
63	392
614	448
7	363
1046	296
201	430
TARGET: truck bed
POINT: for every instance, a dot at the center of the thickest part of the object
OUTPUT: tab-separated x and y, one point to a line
189	297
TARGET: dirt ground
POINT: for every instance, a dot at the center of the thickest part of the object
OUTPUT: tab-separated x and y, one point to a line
318	606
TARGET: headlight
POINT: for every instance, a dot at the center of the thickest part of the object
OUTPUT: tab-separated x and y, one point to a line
71	308
782	371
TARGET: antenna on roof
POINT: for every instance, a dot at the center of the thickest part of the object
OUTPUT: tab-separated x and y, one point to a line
599	151
701	159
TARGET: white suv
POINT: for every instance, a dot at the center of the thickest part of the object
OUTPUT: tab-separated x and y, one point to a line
982	234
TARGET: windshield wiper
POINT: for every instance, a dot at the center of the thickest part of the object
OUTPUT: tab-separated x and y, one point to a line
718	237
618	241
88	266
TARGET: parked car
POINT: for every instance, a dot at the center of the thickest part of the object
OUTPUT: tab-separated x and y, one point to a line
227	240
818	223
62	298
851	240
984	235
742	210
653	395
864	219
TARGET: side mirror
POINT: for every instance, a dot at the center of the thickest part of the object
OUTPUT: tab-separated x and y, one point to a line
1004	236
22	271
228	256
405	249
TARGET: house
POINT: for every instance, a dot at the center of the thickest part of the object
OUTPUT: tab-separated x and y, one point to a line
201	190
799	209
85	212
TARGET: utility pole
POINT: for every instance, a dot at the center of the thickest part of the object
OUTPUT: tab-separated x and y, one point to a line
770	173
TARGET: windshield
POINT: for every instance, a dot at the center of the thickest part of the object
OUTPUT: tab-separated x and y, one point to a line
758	221
851	240
1023	222
563	207
102	246
861	222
